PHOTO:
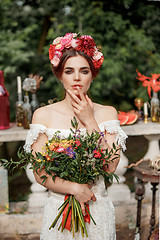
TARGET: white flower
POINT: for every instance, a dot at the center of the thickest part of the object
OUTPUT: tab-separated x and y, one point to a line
74	35
55	61
74	43
97	55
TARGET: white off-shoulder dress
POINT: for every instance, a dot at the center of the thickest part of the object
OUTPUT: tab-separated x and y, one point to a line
102	210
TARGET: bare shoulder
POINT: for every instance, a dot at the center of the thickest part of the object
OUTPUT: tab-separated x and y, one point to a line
42	114
105	113
39	116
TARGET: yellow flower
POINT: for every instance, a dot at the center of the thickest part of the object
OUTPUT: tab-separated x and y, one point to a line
39	160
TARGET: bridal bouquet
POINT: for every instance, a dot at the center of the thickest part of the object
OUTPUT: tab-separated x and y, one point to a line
78	158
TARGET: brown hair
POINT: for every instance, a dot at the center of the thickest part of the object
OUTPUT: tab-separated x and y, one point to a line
72	53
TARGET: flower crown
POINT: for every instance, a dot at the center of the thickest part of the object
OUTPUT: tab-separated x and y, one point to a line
75	41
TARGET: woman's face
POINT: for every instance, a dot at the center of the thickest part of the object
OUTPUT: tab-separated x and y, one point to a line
76	73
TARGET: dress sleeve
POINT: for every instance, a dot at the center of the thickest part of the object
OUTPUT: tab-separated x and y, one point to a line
113	127
32	135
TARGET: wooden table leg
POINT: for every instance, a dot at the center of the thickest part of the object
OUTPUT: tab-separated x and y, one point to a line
139	195
152	220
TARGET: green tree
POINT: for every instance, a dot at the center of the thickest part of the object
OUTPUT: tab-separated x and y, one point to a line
128	32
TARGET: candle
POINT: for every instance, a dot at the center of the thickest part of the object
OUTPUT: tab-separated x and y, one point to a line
19	84
145	109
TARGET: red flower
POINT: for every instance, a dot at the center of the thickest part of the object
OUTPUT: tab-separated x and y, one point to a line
77	142
97	64
51	52
97	154
86	44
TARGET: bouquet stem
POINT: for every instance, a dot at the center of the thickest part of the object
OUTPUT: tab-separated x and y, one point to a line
72	216
58	216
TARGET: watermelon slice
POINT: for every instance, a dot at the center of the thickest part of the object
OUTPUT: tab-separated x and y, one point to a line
132	117
123	119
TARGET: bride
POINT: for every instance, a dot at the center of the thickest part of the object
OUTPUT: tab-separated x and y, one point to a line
75	62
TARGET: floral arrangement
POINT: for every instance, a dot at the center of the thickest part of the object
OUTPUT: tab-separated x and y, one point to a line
75	41
79	158
152	83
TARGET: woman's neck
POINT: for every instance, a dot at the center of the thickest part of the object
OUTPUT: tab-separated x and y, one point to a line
67	104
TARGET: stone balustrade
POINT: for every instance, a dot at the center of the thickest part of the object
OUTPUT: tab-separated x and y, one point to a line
117	192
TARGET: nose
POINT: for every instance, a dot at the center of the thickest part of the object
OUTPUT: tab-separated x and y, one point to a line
77	76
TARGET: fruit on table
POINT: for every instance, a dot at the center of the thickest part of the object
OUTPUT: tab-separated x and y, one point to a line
127	118
123	119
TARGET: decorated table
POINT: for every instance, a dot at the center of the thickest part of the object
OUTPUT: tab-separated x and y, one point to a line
151	131
13	133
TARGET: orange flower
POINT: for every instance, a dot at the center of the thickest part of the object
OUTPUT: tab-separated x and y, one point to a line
152	83
48	158
53	146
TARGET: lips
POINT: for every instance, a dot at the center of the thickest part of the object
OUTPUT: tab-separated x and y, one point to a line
76	85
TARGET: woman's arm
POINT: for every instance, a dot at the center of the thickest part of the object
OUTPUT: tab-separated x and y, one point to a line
83	109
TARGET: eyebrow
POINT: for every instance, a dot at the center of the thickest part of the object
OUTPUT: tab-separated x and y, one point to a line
80	68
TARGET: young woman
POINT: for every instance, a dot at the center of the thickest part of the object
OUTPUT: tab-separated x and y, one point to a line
75	62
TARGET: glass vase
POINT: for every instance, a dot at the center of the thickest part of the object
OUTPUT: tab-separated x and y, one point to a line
27	112
154	107
34	102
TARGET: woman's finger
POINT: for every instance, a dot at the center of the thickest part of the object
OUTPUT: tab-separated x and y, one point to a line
74	104
93	197
74	97
89	101
81	94
83	209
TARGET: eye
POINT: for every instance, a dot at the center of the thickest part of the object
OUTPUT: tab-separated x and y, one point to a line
85	71
68	71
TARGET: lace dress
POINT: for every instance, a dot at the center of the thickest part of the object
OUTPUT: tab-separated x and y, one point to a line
102	210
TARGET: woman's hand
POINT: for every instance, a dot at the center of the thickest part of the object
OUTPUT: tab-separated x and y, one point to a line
83	194
82	107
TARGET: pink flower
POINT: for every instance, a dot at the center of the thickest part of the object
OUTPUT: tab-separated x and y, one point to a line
55	61
66	42
71	35
60	149
75	41
57	41
59	47
58	54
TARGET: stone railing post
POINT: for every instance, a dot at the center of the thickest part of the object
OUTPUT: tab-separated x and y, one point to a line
38	193
4	201
120	191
